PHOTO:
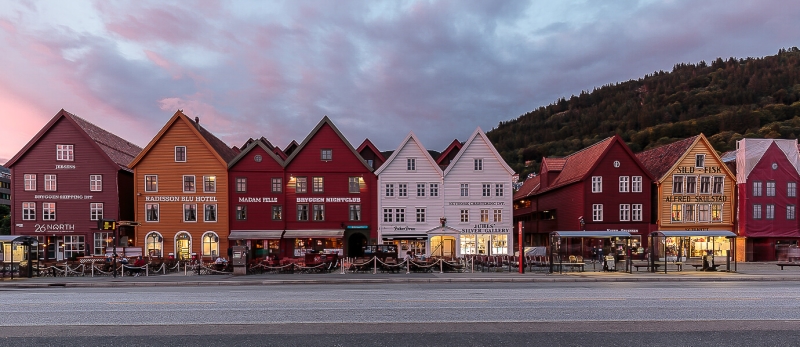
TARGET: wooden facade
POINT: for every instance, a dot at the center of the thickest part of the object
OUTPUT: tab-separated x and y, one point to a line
181	185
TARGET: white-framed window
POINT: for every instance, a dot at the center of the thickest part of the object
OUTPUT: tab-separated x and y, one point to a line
499	189
478	164
319	212
302	212
241	184
691	184
689	212
770	211
756	188
354	184
389	189
102	241
485	215
48	211
241	212
791	189
402	189
95	210
30	182
74	246
421	215
464	216
770	188
180	154
677	184
597	184
388	217
420	189
486	189
716	213
277	212
757	211
790	212
151	183
636	184
50	184
624	212
96	183
718	185
190	212
624	184
636	212
355	212
188	184
705	184
301	185
703	213
677	213
210	244
151	212
434	189
498	216
700	160
326	154
209	184
464	189
400	215
154	244
277	184
28	211
65	153
411	164
210	212
318	184
597	212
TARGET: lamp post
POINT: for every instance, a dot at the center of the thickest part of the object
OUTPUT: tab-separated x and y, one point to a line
114	252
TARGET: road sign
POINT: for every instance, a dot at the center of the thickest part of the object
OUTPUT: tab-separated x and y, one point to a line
125	223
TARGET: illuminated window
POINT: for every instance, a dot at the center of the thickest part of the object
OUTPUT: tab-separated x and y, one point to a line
209	184
318	184
677	212
210	244
301	185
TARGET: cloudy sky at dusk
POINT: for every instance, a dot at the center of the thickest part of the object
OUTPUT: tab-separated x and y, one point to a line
377	69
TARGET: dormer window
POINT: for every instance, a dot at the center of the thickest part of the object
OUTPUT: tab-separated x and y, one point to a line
180	154
64	153
411	164
478	165
326	154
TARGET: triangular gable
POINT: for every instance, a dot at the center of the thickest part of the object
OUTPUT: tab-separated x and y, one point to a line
479	133
660	160
402	145
115	148
204	138
367	144
698	140
264	144
326	120
290	148
454	146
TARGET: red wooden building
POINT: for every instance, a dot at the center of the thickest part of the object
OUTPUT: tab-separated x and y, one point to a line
330	196
70	175
602	187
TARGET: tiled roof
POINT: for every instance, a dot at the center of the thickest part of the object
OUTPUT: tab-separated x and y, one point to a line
119	150
555	164
220	147
577	165
660	159
528	187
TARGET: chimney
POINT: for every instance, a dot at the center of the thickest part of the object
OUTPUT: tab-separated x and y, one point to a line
197	120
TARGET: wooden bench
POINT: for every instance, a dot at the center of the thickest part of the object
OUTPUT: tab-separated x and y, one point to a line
571	265
787	264
645	265
699	267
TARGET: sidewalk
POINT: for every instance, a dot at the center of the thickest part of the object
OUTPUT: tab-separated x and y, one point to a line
745	272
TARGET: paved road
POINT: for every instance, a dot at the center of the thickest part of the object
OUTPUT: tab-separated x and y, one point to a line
733	313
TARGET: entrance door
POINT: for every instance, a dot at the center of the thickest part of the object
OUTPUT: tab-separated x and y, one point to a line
183	245
355	245
443	246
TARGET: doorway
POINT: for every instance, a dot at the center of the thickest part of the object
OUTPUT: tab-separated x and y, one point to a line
443	246
183	245
355	245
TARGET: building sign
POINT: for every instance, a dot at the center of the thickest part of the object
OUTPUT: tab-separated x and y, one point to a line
62	197
473	203
65	167
264	199
696	229
624	230
689	169
54	228
402	228
484	229
700	198
328	199
185	198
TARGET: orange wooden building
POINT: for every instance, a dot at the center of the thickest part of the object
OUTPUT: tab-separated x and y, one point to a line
181	192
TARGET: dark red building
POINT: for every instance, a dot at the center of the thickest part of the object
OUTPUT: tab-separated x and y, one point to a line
602	187
330	196
70	175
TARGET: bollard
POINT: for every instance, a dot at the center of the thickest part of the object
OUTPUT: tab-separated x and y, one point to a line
374	265
441	265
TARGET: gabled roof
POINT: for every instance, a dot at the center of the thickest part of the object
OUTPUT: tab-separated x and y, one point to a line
528	188
751	151
118	151
660	160
454	146
579	164
402	145
478	133
223	153
279	153
554	164
290	148
729	156
326	120
264	144
368	144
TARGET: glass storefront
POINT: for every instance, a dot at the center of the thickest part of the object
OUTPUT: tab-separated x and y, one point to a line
266	248
317	245
484	244
443	246
417	247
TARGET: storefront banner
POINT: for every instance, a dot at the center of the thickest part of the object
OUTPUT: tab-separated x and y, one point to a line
179	198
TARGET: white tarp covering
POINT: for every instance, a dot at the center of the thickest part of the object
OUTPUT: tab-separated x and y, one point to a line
750	151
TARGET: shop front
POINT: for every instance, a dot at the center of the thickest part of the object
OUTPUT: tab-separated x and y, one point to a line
681	246
263	244
298	243
615	254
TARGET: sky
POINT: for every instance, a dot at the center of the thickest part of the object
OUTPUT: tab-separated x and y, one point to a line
378	69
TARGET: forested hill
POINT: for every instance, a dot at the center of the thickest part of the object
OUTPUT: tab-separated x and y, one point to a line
726	100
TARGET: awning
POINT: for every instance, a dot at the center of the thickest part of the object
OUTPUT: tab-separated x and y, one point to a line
255	234
302	234
688	233
18	239
592	234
